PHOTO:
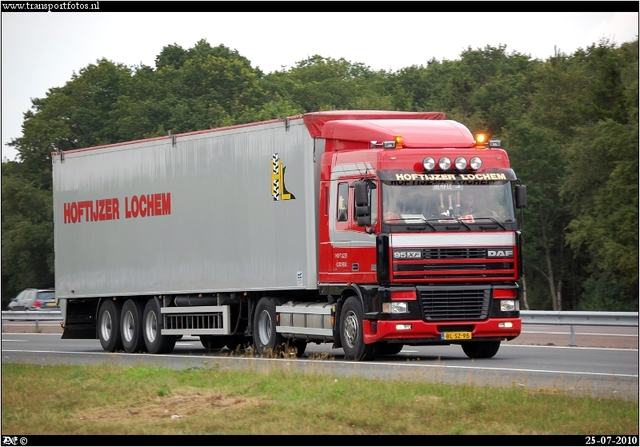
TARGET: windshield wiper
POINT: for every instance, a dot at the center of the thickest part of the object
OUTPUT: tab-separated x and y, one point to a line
492	220
414	221
423	222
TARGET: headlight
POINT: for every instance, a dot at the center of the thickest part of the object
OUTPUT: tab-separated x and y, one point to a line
444	163
507	305
461	163
395	307
428	163
476	163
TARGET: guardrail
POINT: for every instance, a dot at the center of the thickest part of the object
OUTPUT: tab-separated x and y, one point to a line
562	317
579	318
31	315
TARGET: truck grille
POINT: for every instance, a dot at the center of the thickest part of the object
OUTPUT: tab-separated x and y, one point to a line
447	264
453	253
440	304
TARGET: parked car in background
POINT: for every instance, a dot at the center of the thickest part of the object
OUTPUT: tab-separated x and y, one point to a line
34	299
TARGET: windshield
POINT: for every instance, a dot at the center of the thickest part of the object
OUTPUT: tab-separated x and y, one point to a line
444	202
46	296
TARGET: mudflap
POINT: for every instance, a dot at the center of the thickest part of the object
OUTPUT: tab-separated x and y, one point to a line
80	331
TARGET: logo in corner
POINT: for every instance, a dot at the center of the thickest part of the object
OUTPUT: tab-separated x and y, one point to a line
13	440
278	190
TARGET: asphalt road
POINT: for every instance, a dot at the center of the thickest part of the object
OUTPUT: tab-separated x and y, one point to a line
541	360
532	334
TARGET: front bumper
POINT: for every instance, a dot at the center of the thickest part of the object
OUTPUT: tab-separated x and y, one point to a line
431	333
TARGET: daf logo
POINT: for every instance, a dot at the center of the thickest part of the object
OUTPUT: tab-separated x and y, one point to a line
499	253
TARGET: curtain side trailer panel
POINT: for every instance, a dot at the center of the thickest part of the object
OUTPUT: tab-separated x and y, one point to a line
233	209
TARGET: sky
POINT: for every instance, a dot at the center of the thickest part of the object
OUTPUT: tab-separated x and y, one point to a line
41	51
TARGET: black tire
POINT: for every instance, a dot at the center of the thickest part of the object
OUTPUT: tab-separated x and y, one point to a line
390	348
131	326
351	318
109	325
265	338
155	342
480	349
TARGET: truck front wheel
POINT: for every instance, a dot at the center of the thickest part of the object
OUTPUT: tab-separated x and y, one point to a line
109	325
351	335
156	342
481	349
131	326
268	342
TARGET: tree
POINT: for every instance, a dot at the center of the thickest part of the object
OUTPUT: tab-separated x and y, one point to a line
319	83
27	233
74	116
536	157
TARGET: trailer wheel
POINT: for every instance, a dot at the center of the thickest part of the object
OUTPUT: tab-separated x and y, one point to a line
268	342
156	342
109	325
391	348
351	335
131	326
480	349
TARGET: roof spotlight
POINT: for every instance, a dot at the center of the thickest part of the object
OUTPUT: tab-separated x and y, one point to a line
461	163
444	163
428	163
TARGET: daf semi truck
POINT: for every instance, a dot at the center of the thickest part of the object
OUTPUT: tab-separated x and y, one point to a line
368	230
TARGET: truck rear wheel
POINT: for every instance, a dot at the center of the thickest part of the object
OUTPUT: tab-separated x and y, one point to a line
480	349
156	342
131	326
109	325
268	342
351	334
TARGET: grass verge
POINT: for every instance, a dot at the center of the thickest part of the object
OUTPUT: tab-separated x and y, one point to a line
140	400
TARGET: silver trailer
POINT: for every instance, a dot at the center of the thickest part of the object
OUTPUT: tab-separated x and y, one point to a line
175	233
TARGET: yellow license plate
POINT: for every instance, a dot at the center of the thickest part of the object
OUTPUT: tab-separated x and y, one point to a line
51	304
456	336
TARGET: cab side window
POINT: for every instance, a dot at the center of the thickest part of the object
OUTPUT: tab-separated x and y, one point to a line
343	200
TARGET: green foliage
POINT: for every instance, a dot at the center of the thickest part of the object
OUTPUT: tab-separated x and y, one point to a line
27	233
319	83
605	200
605	293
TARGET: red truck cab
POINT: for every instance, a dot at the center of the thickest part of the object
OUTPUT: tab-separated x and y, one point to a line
419	218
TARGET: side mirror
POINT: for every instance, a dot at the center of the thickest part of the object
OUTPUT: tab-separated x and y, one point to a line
363	207
361	193
521	196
